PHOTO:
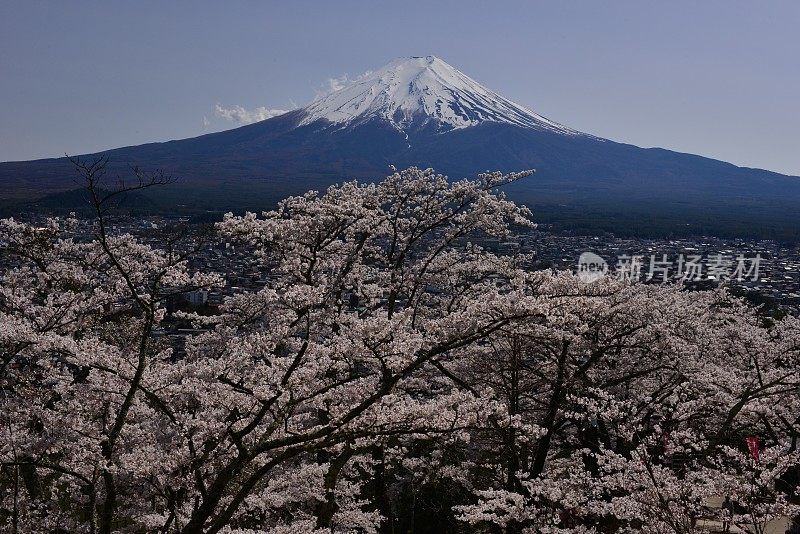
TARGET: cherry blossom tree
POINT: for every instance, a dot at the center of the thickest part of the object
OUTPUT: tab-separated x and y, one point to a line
306	378
390	367
642	396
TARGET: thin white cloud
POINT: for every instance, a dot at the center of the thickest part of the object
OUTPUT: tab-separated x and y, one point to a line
245	116
336	84
242	115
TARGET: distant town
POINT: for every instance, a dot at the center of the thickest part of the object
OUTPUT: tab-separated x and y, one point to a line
774	285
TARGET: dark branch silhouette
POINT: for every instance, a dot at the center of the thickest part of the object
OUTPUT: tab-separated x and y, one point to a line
104	195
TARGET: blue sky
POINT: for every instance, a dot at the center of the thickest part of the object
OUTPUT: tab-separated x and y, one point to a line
717	78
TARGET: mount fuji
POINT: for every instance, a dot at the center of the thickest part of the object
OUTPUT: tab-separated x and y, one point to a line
422	111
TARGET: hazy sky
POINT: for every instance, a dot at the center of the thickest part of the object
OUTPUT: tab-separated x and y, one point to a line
717	78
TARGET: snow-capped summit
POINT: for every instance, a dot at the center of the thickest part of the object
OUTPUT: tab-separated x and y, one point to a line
412	92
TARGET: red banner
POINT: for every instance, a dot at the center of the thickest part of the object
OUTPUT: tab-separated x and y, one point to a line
752	446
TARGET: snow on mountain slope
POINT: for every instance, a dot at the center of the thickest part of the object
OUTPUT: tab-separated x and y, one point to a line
412	92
